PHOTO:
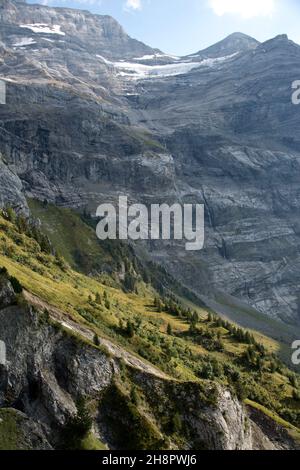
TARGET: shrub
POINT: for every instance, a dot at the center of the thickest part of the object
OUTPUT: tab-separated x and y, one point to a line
3	271
176	423
130	329
296	395
17	287
96	340
77	427
169	330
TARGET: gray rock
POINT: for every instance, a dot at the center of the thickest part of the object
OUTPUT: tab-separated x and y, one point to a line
48	369
7	294
11	189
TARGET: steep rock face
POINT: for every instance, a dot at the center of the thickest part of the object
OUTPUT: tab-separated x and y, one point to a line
18	432
235	148
80	127
11	189
48	368
98	33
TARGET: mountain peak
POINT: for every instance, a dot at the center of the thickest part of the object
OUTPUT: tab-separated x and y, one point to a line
100	34
235	42
239	36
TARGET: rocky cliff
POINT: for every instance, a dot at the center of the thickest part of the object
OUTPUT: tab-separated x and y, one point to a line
49	366
92	113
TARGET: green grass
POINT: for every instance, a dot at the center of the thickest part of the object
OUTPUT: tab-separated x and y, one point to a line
293	431
11	435
247	317
180	354
67	232
91	442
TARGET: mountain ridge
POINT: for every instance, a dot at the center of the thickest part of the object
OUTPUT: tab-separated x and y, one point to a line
118	125
234	43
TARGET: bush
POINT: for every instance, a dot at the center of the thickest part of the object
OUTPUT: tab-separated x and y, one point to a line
134	396
130	329
3	271
169	330
129	282
77	427
17	287
176	423
96	340
296	395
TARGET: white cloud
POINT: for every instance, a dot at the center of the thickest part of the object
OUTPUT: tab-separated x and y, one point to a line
133	4
244	8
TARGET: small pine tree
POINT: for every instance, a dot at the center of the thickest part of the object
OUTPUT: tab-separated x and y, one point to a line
16	285
296	395
193	328
195	317
3	271
96	340
158	304
134	396
176	423
130	329
77	427
293	380
10	214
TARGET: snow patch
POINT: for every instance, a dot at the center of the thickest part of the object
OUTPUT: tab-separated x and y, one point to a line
140	71
24	42
106	61
135	71
212	62
156	56
48	40
44	28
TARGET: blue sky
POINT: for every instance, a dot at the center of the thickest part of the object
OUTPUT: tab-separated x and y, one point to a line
184	26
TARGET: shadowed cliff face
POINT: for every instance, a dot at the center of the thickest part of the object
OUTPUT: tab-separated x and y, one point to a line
80	126
49	366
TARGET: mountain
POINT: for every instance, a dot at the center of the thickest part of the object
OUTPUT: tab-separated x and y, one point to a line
81	28
96	362
122	117
103	332
234	43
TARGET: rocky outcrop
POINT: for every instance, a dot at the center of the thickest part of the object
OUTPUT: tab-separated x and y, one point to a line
233	44
11	189
49	366
18	432
101	34
79	129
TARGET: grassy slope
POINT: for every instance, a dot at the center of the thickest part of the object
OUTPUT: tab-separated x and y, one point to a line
249	318
11	435
67	232
293	431
177	353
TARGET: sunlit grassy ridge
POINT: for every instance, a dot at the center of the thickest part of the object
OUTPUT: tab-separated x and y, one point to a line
185	341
